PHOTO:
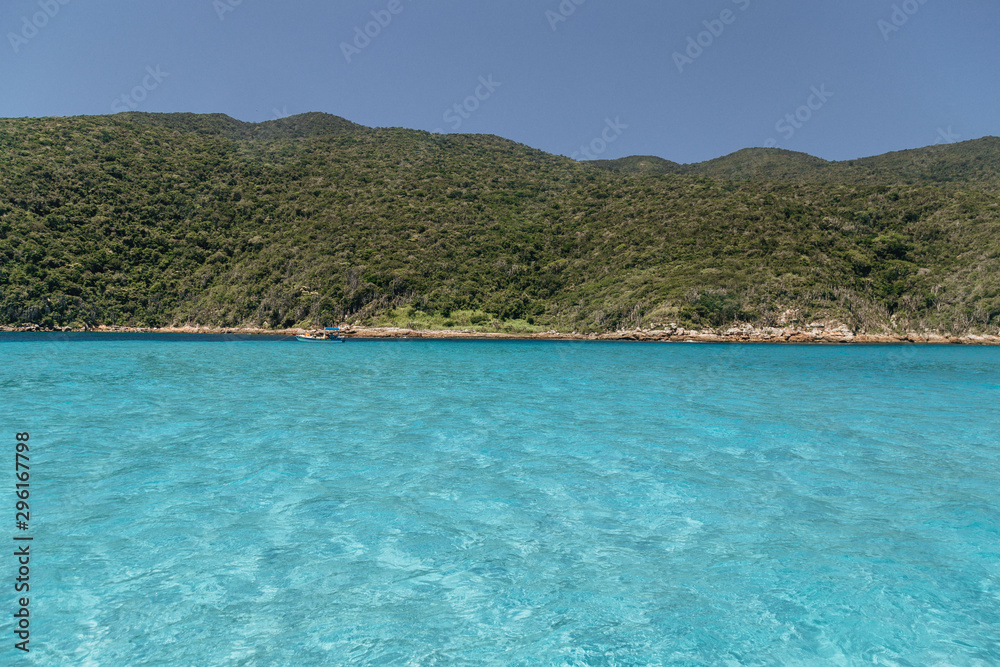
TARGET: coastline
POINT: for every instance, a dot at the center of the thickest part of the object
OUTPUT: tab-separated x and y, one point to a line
814	334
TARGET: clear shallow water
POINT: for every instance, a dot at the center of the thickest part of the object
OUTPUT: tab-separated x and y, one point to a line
263	502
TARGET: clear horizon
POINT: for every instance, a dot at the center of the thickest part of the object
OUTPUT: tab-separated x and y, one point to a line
580	78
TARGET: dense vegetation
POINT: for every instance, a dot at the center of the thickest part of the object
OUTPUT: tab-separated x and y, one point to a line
150	220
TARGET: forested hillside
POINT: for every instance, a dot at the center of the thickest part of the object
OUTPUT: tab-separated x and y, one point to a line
151	220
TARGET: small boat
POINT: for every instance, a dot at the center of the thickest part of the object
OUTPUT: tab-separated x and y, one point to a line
324	337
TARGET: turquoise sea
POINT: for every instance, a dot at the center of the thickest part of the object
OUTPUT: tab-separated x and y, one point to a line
265	502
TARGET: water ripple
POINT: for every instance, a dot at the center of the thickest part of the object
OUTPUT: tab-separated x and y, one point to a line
421	503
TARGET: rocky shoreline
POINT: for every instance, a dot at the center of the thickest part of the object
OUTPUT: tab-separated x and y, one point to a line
814	333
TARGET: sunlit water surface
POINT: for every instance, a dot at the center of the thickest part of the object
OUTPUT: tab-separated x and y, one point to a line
428	503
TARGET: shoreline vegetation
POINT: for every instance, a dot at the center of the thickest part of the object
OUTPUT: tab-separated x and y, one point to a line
147	221
814	334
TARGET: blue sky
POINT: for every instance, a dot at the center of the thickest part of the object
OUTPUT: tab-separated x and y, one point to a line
687	81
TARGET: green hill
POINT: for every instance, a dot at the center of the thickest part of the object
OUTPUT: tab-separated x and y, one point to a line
639	164
292	127
770	164
970	164
150	220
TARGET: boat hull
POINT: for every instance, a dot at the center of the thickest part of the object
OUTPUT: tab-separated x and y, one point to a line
307	339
